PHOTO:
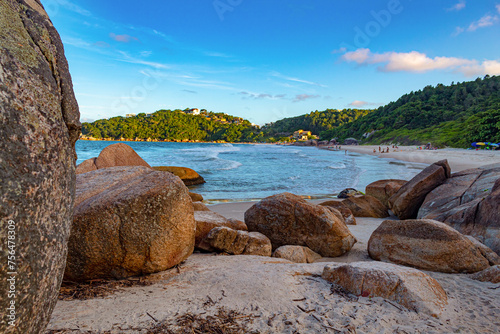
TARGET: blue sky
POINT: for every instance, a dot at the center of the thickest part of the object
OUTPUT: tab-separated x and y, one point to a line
269	59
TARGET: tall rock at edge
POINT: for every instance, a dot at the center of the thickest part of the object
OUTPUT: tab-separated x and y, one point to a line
39	125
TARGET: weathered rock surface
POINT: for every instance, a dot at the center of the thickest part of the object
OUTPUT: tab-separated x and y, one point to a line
469	201
287	219
208	220
86	166
408	287
119	155
196	197
297	254
366	206
39	125
407	201
384	189
425	244
343	209
235	242
198	206
128	221
187	175
491	274
349	192
492	257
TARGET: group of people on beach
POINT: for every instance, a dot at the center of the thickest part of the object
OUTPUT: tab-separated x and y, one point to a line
380	150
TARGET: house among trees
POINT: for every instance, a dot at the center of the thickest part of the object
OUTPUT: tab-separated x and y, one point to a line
130	115
194	111
301	135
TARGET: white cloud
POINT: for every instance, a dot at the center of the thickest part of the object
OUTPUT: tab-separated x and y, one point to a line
498	8
458	31
279	75
123	38
485	21
303	97
458	6
359	104
419	62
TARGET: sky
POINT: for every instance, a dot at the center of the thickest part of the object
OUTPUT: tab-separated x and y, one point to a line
265	60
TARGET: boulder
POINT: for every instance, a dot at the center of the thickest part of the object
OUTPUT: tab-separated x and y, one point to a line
425	244
366	206
208	220
346	213
297	254
196	197
187	175
469	201
119	155
349	192
198	206
39	125
129	220
384	189
287	219
491	274
408	287
407	201
225	239
258	244
86	166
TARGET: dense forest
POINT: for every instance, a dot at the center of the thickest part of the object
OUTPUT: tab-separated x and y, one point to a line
453	116
316	122
175	125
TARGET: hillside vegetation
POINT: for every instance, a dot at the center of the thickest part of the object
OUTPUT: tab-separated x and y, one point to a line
453	116
174	125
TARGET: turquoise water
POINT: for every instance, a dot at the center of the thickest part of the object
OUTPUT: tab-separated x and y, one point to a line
239	172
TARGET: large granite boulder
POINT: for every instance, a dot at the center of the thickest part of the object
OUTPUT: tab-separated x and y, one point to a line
119	154
408	287
297	254
86	166
187	175
207	220
366	206
425	244
407	201
287	219
469	201
384	189
346	213
225	239
128	221
39	125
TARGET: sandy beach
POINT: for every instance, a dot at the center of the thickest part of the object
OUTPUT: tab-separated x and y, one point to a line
458	159
275	296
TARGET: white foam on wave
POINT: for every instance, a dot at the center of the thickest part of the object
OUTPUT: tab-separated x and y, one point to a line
341	166
231	165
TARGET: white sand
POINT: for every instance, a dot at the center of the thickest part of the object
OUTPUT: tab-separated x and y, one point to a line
272	290
459	159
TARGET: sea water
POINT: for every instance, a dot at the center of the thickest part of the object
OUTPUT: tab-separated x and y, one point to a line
242	172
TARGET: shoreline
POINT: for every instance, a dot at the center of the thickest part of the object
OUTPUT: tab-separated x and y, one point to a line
458	159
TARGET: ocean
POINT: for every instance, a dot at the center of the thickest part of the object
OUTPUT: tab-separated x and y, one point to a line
247	172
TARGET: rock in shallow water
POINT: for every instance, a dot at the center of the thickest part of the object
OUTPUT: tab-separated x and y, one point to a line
39	125
287	219
187	175
129	221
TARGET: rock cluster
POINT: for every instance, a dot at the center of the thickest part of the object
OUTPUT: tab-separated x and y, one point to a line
287	219
345	212
225	239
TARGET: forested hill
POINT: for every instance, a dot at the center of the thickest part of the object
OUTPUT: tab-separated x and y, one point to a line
453	115
175	125
316	122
